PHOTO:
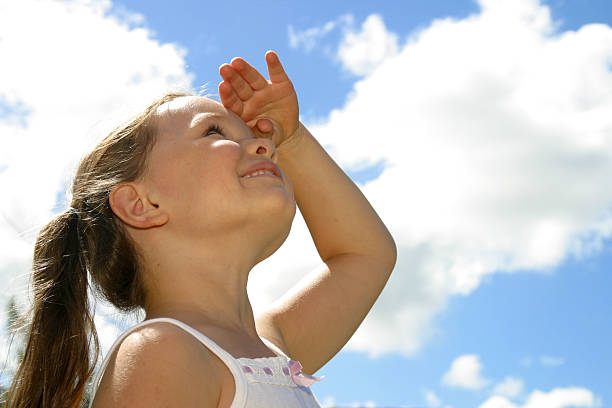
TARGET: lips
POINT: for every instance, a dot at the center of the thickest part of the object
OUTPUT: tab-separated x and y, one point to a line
263	165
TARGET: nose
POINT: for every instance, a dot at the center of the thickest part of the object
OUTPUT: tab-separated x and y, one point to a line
262	146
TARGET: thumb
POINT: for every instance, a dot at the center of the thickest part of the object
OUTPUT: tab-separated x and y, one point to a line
269	129
264	126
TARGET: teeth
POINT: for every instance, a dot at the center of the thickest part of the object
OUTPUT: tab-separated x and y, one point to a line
259	173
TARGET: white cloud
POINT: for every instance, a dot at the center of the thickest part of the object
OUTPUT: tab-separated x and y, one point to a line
8	356
432	400
68	72
550	361
328	402
361	52
544	360
465	372
309	38
497	138
496	133
497	402
511	387
367	404
556	398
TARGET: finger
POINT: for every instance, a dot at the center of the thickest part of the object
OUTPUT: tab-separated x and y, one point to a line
261	128
241	88
265	125
229	99
275	69
249	73
266	128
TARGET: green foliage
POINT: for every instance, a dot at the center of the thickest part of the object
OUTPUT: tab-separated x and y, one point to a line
17	344
16	327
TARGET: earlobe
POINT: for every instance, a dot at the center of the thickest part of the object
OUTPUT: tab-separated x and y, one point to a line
134	208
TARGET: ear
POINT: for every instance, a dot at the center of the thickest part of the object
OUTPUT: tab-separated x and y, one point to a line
134	208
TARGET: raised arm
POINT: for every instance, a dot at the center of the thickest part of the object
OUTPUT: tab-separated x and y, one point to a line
319	315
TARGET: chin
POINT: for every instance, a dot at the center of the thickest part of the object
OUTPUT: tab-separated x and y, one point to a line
283	210
280	234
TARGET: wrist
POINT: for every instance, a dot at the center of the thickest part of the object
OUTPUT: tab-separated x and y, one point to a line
294	140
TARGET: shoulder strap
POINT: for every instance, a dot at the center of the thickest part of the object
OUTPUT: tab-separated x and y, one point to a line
228	359
274	348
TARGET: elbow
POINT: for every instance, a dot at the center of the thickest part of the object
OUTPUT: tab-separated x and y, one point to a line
392	250
389	255
392	257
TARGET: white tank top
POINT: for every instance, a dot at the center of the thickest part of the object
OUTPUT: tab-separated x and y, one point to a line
260	382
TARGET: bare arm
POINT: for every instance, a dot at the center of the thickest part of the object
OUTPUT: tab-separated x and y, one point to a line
320	314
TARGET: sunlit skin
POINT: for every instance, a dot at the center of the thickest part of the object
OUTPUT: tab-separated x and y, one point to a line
214	225
201	228
238	222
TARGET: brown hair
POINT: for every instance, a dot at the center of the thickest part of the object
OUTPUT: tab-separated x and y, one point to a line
87	237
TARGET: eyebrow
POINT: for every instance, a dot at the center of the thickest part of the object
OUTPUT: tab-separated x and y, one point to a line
202	117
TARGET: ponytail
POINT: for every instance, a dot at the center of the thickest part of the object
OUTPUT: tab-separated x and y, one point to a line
56	363
85	247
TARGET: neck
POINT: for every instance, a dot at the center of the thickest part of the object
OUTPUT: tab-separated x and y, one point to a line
207	290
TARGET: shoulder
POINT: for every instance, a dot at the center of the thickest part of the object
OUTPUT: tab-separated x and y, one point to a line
160	365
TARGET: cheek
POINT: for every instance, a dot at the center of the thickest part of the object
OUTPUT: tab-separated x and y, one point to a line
169	174
186	174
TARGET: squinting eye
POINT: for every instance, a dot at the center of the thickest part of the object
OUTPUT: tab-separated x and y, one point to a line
214	129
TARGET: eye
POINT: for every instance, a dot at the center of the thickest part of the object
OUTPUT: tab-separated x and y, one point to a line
214	129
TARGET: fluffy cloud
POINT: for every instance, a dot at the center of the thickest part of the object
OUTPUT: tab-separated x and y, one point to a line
510	387
495	131
496	135
432	400
367	404
69	72
465	372
329	402
557	398
362	51
309	38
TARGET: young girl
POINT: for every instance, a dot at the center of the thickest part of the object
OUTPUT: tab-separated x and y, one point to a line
169	213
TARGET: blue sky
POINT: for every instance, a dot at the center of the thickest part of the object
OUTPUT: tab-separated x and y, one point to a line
563	313
542	322
219	31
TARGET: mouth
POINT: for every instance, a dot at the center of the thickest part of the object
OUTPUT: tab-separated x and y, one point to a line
260	173
263	168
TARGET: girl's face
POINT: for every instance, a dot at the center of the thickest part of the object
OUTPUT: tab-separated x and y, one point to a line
196	167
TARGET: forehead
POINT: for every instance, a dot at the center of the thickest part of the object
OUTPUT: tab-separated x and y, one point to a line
185	112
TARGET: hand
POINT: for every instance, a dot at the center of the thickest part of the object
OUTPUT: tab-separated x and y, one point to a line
269	107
